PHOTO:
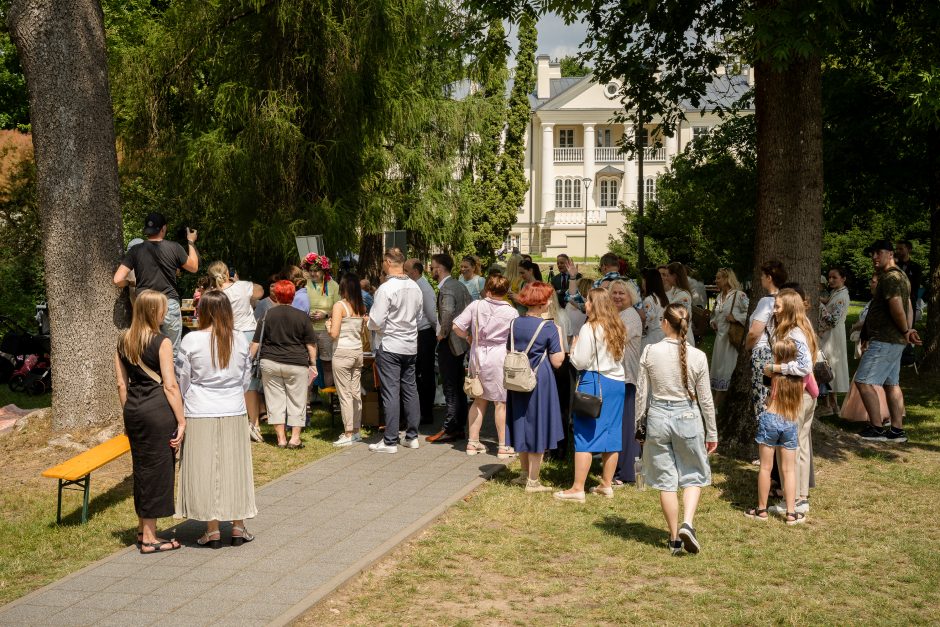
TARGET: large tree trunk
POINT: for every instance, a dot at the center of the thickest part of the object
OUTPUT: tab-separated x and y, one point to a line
62	49
932	341
789	206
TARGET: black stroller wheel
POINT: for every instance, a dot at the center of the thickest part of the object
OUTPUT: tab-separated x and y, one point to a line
17	383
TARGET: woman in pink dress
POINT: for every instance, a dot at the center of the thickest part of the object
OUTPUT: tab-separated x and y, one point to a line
487	321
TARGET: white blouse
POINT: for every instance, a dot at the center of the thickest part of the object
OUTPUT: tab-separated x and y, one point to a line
239	294
210	391
661	378
583	355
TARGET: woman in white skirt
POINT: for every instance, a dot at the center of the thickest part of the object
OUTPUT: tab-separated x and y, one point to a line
216	480
730	305
832	313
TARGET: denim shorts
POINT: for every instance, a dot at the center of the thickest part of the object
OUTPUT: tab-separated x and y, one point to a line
775	430
674	454
880	364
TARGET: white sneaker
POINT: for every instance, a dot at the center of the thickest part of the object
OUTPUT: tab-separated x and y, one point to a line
254	432
343	440
357	437
382	447
413	443
780	509
802	507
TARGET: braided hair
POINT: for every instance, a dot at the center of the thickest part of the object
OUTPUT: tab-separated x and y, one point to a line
678	318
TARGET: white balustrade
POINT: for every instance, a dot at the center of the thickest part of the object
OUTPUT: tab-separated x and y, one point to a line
654	154
569	155
607	154
573	217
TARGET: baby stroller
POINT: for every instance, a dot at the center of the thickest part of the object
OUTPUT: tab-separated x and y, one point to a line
24	359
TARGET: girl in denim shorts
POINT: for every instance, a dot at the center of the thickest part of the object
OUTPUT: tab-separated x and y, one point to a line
777	430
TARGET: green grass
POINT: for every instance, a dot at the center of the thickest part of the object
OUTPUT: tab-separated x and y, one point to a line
34	550
867	555
23	401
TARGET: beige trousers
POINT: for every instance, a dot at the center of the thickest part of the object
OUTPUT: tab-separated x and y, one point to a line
285	393
804	453
347	376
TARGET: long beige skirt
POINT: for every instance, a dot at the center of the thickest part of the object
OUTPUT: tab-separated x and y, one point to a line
216	479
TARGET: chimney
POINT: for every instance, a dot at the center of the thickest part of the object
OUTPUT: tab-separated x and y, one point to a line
750	75
543	76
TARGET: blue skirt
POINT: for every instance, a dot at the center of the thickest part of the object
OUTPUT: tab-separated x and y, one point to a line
533	419
603	435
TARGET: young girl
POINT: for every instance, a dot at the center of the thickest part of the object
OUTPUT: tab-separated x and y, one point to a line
777	429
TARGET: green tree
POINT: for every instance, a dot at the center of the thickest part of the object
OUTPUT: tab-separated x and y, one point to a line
513	182
573	66
488	231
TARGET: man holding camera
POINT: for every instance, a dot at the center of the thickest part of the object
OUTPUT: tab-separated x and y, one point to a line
155	263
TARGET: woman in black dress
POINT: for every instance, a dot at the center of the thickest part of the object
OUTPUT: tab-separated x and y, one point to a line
153	416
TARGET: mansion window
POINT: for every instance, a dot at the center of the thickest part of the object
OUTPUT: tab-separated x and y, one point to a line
566	138
608	192
568	193
604	138
650	189
699	132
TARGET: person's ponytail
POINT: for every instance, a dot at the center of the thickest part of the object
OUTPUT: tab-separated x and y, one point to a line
217	273
678	318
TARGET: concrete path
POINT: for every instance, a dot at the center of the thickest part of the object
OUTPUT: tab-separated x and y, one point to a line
317	527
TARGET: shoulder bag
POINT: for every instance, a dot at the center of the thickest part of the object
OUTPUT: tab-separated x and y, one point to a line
736	330
822	371
472	386
518	374
256	360
589	405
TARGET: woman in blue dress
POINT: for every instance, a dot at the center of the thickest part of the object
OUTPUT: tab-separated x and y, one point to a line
534	423
598	353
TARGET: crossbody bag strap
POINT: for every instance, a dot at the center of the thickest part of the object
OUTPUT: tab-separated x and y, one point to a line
150	373
474	329
532	342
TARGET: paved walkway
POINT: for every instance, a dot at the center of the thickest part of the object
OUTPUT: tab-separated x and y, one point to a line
317	527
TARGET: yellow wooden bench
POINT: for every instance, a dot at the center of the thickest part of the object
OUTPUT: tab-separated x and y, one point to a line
77	471
330	392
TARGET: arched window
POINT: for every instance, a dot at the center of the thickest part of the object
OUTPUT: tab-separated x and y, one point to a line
608	192
650	188
567	193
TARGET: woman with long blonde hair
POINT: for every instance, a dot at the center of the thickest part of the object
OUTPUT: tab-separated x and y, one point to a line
673	399
598	352
153	415
216	478
241	295
790	322
777	431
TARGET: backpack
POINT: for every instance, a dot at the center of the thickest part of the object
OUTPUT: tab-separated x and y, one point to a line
518	374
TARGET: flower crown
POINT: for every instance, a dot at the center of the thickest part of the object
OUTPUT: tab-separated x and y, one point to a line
315	261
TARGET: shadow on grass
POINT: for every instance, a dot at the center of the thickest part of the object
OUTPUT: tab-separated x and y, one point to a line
635	531
96	504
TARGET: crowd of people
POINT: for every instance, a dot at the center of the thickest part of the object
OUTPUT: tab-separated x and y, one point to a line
605	368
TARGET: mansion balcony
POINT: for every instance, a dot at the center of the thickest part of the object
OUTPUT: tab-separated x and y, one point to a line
572	217
606	154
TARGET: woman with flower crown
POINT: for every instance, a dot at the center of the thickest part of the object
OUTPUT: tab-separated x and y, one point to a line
323	292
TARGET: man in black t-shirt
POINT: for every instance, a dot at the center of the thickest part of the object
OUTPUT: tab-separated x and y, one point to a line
155	263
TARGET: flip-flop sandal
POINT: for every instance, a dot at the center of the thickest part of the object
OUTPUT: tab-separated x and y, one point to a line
156	546
294	447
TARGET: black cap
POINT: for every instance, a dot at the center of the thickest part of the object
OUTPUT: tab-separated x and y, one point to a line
154	222
881	244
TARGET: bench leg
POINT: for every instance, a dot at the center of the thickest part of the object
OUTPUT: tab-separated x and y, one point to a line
85	500
58	510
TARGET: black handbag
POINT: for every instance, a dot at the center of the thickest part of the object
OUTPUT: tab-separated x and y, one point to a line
256	361
588	405
822	371
640	435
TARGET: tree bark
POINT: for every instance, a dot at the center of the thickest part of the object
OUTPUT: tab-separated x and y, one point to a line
931	361
789	207
62	49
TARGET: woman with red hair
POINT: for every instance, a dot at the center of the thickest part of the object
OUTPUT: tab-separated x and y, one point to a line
534	422
288	363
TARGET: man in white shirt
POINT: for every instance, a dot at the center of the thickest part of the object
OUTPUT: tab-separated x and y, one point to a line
427	341
394	318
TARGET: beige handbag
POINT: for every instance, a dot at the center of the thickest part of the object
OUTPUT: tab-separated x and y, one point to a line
472	386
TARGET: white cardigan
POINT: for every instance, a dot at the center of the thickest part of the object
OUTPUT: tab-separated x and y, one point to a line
582	356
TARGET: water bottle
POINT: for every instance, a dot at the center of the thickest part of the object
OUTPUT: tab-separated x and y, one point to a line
638	472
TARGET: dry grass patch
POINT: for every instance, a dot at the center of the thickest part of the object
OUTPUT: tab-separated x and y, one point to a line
868	553
35	551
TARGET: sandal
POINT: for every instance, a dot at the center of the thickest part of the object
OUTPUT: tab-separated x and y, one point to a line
795	518
212	540
294	447
600	490
756	513
617	483
505	452
156	546
244	536
474	447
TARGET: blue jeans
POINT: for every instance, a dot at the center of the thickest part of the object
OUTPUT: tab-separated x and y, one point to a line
172	326
880	364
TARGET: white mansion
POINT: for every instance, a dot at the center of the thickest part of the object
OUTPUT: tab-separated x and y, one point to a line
572	138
